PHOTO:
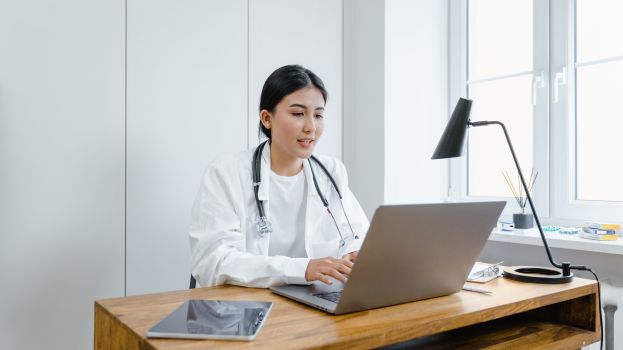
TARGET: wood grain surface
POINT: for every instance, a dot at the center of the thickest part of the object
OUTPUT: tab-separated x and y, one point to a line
548	316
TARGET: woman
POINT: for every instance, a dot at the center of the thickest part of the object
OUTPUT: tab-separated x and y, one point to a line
260	217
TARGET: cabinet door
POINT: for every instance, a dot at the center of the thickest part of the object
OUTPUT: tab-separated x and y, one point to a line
62	132
187	104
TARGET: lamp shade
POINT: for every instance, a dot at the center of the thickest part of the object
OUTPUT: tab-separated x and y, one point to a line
453	139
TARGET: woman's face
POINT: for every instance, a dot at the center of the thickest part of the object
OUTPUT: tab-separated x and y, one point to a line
296	123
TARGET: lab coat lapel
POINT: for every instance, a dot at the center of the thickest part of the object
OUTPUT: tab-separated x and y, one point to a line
315	212
262	194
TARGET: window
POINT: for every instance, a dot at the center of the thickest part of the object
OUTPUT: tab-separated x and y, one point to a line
499	73
599	83
552	71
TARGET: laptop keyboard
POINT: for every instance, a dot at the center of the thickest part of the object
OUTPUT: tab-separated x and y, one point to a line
331	296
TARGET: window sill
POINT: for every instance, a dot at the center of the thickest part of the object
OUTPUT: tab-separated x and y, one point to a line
557	240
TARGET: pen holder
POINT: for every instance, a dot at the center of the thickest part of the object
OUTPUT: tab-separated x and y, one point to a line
523	221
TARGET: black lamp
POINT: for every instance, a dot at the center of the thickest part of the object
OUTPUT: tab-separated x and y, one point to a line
451	145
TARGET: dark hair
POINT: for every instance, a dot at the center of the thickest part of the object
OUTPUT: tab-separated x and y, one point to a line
284	81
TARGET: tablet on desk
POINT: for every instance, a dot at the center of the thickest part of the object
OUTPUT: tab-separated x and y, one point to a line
214	319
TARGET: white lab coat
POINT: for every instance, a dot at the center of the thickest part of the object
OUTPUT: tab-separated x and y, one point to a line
225	244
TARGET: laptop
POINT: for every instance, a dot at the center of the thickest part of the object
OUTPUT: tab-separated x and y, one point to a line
411	252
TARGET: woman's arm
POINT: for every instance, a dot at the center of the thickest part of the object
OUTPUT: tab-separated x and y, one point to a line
218	246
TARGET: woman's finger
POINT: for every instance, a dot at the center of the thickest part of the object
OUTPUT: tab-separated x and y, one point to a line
324	279
345	262
352	256
335	274
343	269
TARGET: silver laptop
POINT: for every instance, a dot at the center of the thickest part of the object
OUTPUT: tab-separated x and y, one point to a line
411	252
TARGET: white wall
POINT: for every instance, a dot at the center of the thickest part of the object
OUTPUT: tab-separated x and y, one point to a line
364	100
61	169
302	32
395	99
416	100
187	84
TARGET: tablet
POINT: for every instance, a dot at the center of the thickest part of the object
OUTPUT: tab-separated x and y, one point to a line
213	319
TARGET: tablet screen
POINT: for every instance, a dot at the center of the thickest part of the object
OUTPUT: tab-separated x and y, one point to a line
213	319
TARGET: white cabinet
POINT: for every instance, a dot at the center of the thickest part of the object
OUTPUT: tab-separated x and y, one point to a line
61	168
109	113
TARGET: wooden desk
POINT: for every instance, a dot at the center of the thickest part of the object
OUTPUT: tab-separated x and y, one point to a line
517	315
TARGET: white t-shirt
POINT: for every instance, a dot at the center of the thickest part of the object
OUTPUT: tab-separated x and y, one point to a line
287	202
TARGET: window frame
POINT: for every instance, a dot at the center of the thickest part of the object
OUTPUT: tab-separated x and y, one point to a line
458	74
564	199
554	122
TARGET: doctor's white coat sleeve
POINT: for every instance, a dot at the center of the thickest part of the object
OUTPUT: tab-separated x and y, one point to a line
218	244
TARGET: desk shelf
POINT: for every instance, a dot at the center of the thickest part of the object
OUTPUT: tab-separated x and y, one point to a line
503	334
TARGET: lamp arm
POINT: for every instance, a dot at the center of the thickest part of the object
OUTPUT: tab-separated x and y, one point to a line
523	182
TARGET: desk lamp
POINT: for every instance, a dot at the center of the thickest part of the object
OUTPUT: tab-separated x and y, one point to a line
451	145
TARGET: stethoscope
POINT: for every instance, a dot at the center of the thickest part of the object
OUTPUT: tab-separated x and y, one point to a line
264	225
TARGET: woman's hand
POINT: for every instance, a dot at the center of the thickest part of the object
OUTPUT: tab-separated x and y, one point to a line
352	256
322	269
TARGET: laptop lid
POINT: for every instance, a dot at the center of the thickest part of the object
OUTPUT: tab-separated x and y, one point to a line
418	251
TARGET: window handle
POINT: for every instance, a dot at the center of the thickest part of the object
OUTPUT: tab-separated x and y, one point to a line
538	82
560	78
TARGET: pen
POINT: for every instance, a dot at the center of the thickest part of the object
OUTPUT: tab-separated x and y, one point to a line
477	290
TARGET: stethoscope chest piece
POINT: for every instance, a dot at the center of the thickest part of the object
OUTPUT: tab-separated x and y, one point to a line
264	226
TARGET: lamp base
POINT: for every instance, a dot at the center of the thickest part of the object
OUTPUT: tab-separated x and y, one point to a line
537	274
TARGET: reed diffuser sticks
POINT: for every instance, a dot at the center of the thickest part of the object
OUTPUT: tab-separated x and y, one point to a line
518	190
